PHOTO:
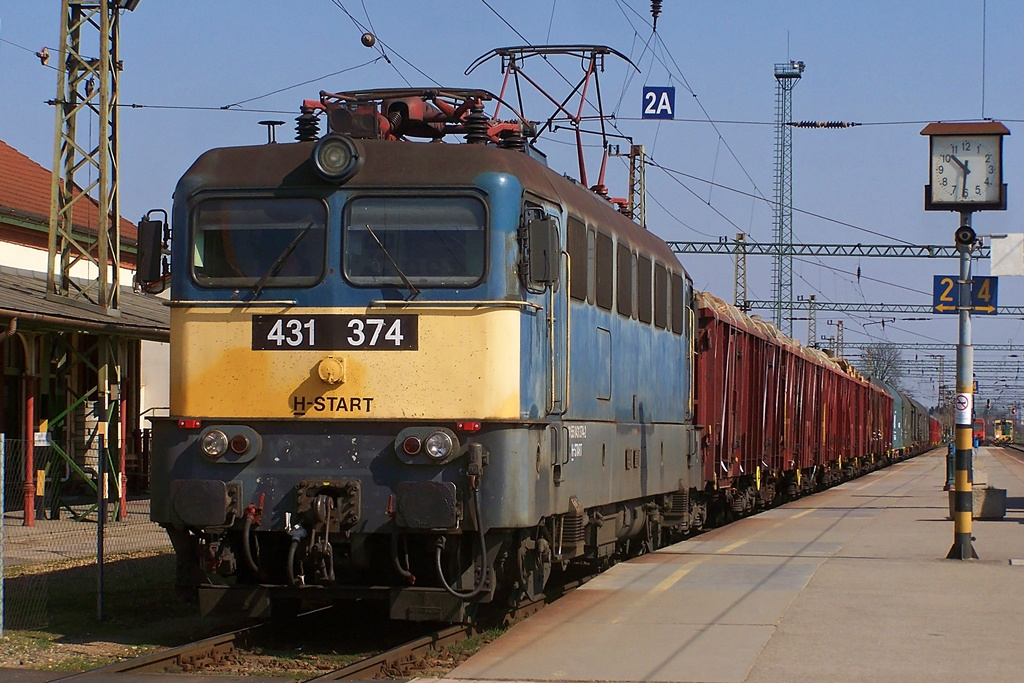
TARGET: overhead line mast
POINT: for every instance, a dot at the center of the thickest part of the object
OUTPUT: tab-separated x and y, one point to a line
85	173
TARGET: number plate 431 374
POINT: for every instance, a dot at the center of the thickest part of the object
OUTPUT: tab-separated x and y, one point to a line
334	332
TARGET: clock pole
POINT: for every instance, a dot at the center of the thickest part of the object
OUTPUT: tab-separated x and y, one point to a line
965	175
963	497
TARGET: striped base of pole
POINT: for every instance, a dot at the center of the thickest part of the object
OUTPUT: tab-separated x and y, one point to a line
962	548
963	498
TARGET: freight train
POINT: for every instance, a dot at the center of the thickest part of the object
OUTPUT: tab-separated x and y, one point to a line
433	374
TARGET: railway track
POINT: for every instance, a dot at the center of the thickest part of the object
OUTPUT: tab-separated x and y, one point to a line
195	656
401	661
208	655
217	652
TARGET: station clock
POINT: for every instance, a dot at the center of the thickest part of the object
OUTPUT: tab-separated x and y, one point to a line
965	166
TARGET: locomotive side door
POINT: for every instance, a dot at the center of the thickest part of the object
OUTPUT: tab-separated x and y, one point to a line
545	276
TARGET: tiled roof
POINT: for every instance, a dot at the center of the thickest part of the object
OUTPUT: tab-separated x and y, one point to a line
25	190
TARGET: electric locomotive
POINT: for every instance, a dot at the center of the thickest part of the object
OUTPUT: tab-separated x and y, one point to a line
422	372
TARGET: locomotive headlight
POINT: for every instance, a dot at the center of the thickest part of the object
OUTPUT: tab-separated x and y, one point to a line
214	443
438	445
336	158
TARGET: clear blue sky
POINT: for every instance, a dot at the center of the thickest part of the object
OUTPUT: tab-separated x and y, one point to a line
892	66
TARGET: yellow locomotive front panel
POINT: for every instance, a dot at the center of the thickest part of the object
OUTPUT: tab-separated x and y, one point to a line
409	362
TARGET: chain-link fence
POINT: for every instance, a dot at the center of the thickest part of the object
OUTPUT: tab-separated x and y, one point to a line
68	559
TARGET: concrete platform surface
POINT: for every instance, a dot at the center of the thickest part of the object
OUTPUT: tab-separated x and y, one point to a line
849	585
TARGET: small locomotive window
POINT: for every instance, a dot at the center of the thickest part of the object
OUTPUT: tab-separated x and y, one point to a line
603	280
678	303
578	259
624	280
660	296
274	242
591	261
643	289
427	241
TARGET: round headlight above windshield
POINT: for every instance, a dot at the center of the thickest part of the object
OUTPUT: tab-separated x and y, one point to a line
336	158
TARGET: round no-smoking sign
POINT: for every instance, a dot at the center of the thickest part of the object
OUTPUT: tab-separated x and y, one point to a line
962	408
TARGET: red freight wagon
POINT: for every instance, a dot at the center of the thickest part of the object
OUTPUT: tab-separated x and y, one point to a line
778	417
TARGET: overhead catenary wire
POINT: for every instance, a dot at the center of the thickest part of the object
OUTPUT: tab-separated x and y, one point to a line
675	174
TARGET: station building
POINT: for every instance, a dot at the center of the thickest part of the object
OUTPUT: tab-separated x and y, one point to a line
49	413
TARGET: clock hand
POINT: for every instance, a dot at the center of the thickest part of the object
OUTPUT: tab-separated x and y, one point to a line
967	170
963	167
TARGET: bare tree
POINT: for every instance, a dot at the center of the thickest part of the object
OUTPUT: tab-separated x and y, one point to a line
882	362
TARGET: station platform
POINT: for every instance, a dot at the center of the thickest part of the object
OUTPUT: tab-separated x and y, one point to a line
850	584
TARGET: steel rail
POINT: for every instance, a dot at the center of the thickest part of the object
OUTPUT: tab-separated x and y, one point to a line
399	661
186	657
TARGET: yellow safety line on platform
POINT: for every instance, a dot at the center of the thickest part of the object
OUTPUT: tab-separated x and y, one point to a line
805	512
732	546
872	483
672	580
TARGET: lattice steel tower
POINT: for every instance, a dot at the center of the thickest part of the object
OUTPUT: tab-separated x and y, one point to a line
85	171
786	77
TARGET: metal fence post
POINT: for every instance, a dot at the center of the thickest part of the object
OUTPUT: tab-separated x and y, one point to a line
101	514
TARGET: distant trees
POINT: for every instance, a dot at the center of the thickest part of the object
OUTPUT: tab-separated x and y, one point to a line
882	362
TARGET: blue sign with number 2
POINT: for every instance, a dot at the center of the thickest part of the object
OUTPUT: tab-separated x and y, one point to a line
659	102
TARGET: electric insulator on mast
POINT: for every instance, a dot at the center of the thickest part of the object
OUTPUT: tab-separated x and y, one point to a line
655	12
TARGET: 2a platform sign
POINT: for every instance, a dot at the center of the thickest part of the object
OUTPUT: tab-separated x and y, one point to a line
659	102
984	294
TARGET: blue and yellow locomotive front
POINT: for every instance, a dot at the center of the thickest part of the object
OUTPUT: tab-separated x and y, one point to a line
371	369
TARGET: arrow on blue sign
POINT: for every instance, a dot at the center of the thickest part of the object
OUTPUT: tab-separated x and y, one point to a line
984	294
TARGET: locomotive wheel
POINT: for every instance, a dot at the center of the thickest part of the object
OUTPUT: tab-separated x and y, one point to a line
652	536
533	566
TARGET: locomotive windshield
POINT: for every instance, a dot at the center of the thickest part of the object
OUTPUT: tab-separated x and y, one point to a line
431	241
272	242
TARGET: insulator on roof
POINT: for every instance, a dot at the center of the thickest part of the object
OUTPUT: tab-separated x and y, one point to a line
476	126
655	12
307	125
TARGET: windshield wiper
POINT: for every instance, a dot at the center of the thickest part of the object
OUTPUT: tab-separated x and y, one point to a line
279	261
408	283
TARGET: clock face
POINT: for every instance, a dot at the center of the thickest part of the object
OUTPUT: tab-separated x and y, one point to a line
966	169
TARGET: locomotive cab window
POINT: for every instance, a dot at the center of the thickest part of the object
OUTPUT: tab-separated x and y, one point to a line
428	241
280	242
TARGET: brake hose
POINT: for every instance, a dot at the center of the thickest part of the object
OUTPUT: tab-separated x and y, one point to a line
482	583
